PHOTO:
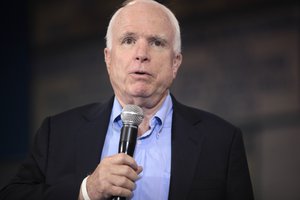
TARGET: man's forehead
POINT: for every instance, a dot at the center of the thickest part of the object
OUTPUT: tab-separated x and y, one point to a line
130	20
141	8
142	19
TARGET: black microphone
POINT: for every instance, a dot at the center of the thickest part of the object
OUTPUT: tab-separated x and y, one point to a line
132	116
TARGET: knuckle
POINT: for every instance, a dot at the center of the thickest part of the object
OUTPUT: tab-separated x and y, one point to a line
119	193
127	170
122	157
132	186
116	191
123	181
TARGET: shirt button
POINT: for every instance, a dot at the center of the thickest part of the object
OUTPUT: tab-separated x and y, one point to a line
139	142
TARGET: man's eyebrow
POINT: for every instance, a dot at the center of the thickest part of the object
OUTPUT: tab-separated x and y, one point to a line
158	37
128	34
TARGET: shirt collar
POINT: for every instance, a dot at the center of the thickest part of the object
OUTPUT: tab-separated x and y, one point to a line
116	112
159	117
163	112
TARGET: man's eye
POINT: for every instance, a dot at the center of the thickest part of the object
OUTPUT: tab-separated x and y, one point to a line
128	41
158	43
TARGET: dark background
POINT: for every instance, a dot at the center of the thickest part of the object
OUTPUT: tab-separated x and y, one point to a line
241	61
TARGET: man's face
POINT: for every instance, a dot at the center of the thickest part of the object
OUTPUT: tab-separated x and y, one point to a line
141	63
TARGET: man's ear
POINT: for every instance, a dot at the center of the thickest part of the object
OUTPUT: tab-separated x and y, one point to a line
176	63
107	58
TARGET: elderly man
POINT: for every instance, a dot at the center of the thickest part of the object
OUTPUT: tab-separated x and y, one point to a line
181	152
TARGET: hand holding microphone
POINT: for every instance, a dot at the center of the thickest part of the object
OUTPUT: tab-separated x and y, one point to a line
131	116
116	175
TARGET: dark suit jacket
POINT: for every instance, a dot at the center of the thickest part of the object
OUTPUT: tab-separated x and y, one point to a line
208	157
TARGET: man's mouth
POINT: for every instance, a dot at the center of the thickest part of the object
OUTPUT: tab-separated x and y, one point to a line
141	73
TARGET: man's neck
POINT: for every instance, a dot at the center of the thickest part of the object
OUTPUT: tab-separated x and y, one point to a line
149	105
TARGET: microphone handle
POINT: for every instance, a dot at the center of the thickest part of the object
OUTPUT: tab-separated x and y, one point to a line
128	139
127	144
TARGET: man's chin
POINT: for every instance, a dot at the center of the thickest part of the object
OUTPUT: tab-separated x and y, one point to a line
140	95
141	92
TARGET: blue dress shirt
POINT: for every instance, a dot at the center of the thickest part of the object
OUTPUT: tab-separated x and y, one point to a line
152	152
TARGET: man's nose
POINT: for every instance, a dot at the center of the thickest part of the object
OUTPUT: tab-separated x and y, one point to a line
142	52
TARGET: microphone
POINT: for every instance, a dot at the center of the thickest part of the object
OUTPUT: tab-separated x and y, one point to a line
132	116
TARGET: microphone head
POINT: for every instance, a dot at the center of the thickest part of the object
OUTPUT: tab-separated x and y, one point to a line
132	114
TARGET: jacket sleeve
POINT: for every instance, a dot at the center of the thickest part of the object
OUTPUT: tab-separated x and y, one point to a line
238	178
30	181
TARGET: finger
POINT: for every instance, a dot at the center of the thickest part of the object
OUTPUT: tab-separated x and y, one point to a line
139	170
121	192
123	182
112	185
123	159
125	171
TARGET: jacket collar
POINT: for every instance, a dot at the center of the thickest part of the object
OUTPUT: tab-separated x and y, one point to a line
90	138
187	139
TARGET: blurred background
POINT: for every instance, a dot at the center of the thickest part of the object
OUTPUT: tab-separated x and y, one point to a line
241	61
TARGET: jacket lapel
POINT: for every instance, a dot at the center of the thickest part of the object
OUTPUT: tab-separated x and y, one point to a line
186	147
91	137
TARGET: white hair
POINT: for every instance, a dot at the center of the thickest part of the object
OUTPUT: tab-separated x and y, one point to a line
171	16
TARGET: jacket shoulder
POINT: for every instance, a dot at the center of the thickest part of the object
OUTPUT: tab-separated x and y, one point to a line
196	115
87	110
